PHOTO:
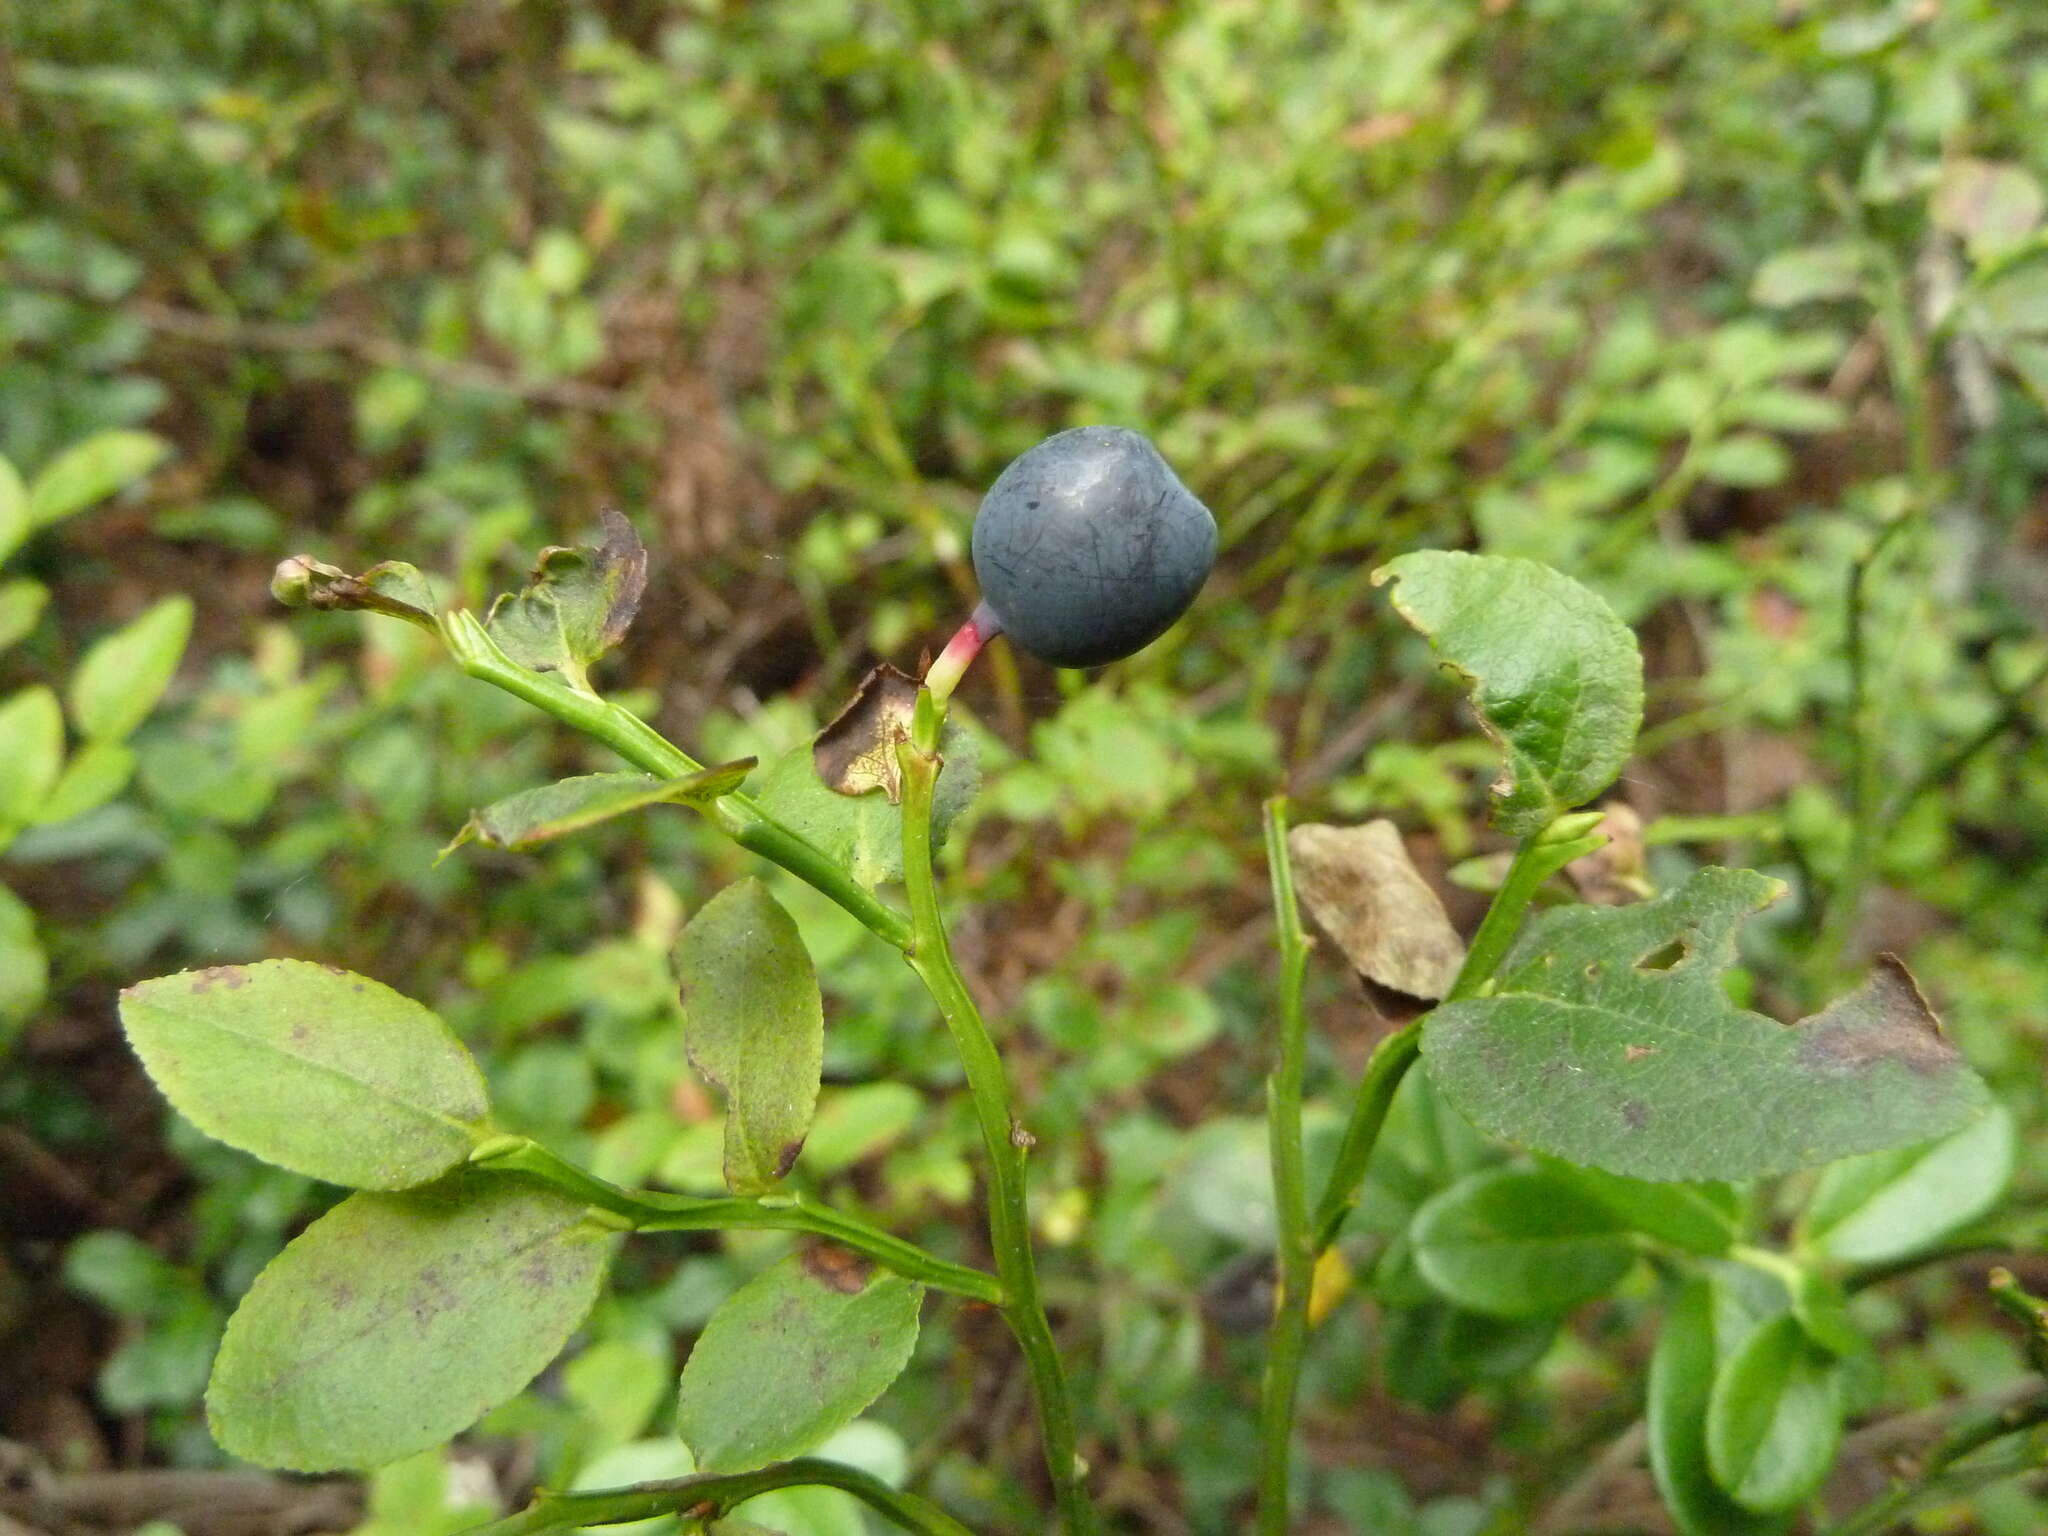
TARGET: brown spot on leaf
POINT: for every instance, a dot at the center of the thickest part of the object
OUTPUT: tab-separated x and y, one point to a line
1884	1020
856	753
1637	1052
788	1157
229	976
1363	890
837	1269
1635	1114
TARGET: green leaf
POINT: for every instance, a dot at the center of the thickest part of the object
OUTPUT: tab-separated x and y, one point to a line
394	1321
1555	677
857	1122
616	1386
1681	1383
91	471
1791	410
96	773
122	677
326	1073
31	753
1747	459
1822	1308
864	833
14	521
1610	1041
423	1495
754	1025
1774	1418
792	1355
533	816
165	1365
1518	1243
577	604
1871	1210
1700	1218
21	604
24	969
124	1274
1810	272
1432	1353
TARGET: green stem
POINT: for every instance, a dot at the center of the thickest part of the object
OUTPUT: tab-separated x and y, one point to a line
1540	855
1389	1063
1973	1435
651	1211
1907	357
1288	1339
930	955
705	1498
1845	901
736	815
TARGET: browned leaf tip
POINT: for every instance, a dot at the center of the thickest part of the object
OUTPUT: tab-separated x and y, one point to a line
1887	1019
1363	890
856	753
623	559
786	1159
837	1269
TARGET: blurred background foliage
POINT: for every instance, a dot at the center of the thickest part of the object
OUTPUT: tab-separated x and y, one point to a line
1736	310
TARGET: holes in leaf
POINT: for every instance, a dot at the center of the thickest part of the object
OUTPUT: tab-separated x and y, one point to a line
1663	959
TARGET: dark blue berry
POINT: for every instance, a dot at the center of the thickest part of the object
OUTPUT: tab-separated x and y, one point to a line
1088	547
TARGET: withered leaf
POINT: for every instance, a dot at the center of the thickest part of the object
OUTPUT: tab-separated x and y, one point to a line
1887	1019
856	753
577	604
1365	892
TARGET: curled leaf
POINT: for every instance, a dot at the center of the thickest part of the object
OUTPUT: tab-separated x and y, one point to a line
1365	892
753	1023
577	604
1555	677
856	753
391	587
534	816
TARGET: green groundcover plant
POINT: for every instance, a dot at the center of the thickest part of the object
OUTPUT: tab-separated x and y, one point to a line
1607	1045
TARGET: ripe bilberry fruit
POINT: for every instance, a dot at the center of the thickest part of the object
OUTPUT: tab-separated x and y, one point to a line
1088	547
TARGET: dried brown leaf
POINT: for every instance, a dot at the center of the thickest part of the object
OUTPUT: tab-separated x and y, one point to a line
856	753
1365	892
